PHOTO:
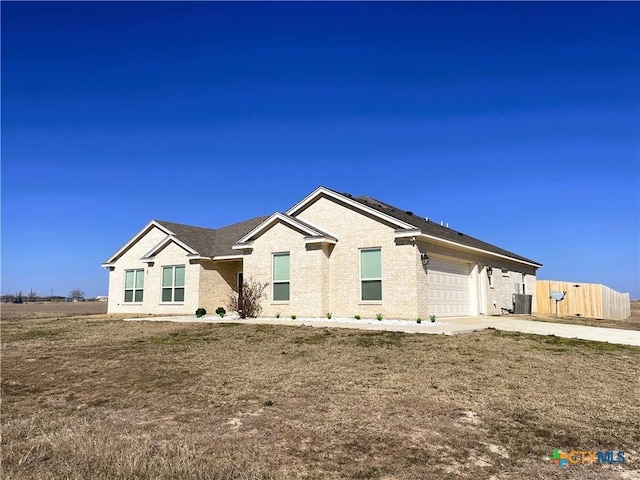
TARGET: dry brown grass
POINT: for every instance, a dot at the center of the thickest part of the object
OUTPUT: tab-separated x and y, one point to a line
29	311
630	323
100	398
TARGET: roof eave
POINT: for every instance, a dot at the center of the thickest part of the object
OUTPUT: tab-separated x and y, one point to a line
321	240
222	258
432	238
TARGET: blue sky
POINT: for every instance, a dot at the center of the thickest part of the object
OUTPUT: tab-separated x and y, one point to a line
517	123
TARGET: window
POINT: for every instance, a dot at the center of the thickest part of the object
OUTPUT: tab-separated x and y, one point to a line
281	269
370	274
133	286
173	284
505	272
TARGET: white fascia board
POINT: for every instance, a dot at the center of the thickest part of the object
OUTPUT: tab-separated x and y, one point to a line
242	246
475	249
197	256
330	240
227	257
137	237
275	218
357	205
408	233
166	241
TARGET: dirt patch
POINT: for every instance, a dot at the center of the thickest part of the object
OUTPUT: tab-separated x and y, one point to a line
101	398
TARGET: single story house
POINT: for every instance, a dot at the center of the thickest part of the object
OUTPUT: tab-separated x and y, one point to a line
330	252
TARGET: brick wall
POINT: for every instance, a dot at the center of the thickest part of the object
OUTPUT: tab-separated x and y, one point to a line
172	254
354	232
217	281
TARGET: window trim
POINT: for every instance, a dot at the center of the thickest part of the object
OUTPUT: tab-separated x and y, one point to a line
173	286
279	282
361	280
134	289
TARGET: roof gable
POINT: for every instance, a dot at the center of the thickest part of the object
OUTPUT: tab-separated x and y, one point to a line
349	201
147	257
133	240
310	233
197	241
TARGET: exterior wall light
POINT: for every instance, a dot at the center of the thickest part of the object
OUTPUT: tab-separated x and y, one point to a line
425	258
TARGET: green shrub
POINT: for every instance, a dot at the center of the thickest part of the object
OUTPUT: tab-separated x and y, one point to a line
200	312
293	317
267	403
277	314
357	317
329	315
220	311
419	320
432	318
379	316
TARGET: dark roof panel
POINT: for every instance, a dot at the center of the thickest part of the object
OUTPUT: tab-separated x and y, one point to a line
430	228
210	242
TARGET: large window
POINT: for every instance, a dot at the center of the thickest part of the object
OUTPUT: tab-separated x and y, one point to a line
370	274
133	286
173	284
281	282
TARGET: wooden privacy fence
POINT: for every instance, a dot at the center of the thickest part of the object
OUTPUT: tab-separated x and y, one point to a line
583	299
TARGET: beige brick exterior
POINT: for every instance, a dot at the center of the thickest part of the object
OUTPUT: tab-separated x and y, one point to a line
217	281
307	264
209	281
356	231
324	277
327	279
172	254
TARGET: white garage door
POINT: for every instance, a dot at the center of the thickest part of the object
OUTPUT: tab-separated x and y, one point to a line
448	288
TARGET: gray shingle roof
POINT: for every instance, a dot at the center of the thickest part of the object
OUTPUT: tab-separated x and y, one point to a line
430	228
210	242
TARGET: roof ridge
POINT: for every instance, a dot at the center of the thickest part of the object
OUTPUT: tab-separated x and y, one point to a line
166	222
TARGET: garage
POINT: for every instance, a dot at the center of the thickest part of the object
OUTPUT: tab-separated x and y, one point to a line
449	287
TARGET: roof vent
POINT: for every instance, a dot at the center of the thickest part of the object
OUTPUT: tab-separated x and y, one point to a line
346	194
409	212
426	219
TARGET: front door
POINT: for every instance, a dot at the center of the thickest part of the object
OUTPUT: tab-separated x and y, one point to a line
239	287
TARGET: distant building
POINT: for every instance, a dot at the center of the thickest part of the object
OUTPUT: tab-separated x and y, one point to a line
102	298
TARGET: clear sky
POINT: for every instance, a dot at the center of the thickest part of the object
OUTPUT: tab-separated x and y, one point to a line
517	123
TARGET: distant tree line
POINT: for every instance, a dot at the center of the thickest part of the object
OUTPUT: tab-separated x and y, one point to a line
76	295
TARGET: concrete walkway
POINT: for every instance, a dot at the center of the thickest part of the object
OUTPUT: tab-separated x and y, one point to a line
448	326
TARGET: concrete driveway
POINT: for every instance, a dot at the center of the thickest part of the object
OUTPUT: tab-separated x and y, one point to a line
598	334
450	326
